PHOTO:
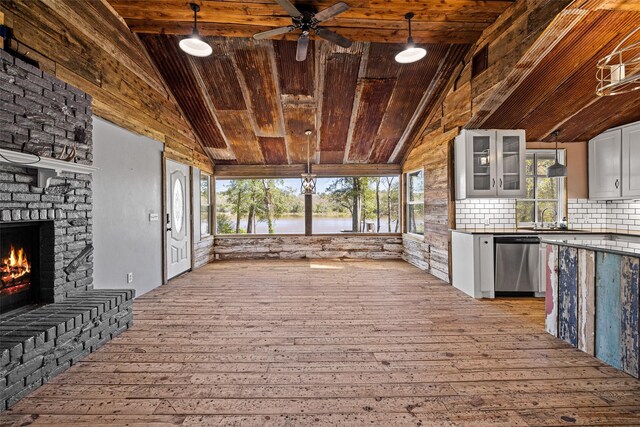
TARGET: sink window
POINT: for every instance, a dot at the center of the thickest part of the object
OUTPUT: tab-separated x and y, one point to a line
543	194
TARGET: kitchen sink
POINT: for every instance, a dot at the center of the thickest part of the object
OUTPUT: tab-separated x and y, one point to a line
553	229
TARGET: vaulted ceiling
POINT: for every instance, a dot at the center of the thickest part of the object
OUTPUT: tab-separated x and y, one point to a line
250	101
557	88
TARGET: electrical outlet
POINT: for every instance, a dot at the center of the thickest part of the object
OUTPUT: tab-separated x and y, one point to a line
129	277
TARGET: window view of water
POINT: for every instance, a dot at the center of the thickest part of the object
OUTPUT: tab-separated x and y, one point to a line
275	206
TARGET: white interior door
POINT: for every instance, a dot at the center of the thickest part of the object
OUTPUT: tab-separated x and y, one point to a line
178	219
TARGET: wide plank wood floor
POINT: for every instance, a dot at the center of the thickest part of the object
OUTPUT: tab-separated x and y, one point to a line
331	343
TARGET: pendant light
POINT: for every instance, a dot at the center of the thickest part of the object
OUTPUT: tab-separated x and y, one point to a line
411	53
556	170
194	45
308	179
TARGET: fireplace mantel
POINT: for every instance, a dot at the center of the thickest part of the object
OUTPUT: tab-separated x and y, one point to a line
47	167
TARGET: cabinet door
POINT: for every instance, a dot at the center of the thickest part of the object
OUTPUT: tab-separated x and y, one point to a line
605	169
510	150
631	160
481	163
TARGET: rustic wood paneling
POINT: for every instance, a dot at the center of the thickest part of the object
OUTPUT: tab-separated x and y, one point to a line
240	135
568	295
374	95
274	150
175	67
608	309
450	21
255	64
296	77
338	93
357	170
630	342
259	171
556	88
89	46
219	77
298	119
551	294
586	300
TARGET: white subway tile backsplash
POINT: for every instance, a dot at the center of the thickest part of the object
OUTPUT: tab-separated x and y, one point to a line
622	215
481	213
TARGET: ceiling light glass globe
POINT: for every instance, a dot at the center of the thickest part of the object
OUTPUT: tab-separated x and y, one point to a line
195	46
411	54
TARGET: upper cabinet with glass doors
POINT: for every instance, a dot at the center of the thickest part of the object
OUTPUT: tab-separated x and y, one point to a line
490	163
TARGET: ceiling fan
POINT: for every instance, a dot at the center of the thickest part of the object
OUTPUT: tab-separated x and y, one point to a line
307	21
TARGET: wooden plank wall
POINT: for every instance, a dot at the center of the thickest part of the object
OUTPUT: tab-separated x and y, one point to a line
630	358
431	145
87	45
608	309
586	303
568	295
551	294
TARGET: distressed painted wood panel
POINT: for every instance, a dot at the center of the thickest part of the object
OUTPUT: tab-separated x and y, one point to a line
239	133
586	300
568	295
274	150
372	104
299	118
608	309
341	74
551	295
629	333
255	65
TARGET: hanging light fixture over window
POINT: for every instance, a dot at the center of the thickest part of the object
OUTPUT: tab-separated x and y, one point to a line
619	72
556	170
411	53
308	179
194	45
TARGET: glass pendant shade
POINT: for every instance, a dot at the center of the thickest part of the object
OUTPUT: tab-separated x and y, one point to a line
195	46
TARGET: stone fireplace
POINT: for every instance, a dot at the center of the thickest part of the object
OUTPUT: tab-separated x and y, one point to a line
50	315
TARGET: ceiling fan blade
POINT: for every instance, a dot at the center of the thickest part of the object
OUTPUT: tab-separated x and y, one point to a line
333	37
275	32
331	12
290	8
303	46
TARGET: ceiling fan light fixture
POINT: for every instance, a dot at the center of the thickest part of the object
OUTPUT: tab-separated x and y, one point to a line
194	45
411	53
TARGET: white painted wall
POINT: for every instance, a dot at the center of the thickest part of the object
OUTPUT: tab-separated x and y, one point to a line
127	188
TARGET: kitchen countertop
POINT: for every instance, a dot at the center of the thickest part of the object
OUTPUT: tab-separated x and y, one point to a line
620	247
498	231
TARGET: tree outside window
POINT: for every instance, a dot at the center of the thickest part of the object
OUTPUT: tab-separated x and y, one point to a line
543	194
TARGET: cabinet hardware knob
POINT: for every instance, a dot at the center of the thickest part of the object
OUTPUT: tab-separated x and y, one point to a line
500	182
493	182
617	183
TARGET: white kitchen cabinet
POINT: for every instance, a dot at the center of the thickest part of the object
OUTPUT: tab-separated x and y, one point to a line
631	161
490	163
614	157
472	264
605	172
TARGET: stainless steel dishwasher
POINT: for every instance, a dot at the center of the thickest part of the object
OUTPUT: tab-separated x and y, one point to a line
517	271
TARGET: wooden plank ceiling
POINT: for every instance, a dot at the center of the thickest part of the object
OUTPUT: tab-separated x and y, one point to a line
559	90
250	102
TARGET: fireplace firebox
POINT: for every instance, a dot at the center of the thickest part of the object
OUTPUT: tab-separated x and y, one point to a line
21	249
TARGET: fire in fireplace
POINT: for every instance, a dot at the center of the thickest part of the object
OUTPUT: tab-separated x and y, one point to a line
19	258
14	271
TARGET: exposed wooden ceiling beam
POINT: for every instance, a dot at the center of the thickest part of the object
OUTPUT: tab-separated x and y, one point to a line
374	34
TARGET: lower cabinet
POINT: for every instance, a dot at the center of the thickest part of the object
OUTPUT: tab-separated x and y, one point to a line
472	264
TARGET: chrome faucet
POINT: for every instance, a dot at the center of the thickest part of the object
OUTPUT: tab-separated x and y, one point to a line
555	214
